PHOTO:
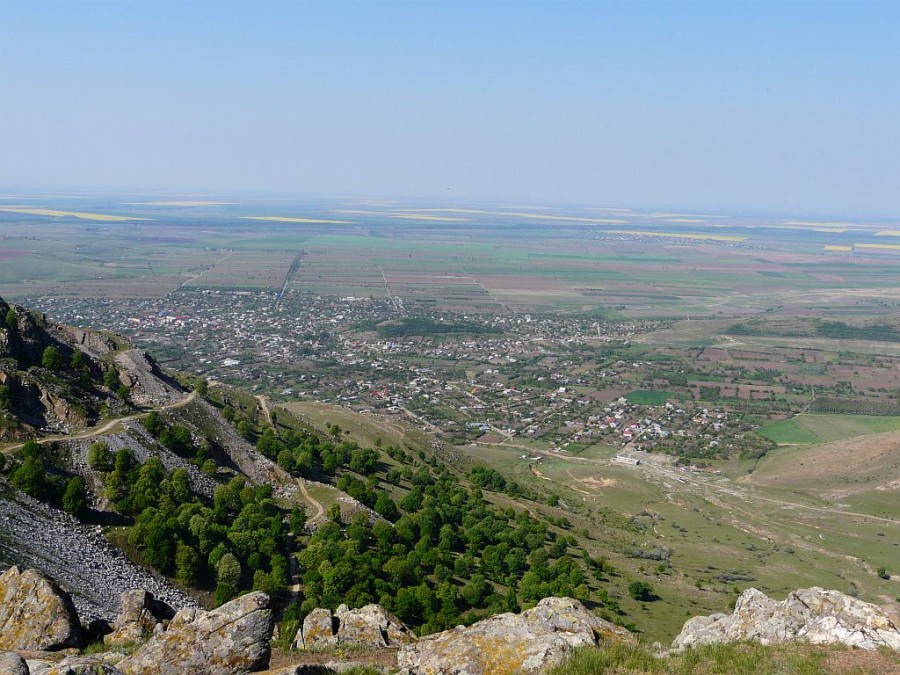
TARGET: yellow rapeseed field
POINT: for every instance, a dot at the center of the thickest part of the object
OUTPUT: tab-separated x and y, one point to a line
285	219
75	214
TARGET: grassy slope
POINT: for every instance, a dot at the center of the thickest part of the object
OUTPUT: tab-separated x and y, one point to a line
715	527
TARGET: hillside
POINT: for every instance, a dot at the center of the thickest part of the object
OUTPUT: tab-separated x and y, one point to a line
216	492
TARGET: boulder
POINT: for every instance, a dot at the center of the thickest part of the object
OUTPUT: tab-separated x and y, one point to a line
318	630
139	615
35	613
369	627
233	638
811	614
83	666
529	642
12	664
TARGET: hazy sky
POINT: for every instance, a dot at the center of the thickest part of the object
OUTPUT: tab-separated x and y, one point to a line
791	106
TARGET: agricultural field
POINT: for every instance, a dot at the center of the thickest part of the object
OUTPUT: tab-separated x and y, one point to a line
465	257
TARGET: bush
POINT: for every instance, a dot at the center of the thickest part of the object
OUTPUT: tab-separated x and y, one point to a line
641	590
51	359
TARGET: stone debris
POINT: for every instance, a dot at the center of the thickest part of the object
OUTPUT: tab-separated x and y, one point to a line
78	557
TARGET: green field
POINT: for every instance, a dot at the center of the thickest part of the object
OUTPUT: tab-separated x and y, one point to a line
809	429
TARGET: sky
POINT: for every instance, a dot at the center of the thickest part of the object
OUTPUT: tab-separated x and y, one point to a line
783	106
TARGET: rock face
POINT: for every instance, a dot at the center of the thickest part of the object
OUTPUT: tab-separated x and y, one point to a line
369	627
231	639
810	614
139	615
35	613
148	384
529	642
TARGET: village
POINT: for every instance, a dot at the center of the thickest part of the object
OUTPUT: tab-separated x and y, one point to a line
561	383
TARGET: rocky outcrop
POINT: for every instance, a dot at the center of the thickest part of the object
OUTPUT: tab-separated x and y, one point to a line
35	613
149	385
231	639
529	642
89	341
140	615
369	627
811	614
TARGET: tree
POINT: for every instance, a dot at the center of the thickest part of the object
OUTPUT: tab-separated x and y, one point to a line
12	319
31	477
187	564
4	396
99	457
201	386
51	359
74	499
228	571
641	590
883	573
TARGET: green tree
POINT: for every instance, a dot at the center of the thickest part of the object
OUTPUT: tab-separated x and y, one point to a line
31	477
641	590
4	396
74	499
228	571
12	319
51	359
99	457
187	564
201	386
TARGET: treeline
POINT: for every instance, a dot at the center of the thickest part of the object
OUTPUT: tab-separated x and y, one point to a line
879	332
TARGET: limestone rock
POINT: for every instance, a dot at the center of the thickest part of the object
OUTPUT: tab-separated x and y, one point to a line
369	627
810	614
529	642
318	630
139	615
12	664
35	613
233	638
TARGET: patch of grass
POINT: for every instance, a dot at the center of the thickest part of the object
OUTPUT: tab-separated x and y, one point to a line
789	432
741	658
647	397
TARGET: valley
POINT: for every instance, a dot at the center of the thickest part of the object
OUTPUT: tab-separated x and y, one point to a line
702	410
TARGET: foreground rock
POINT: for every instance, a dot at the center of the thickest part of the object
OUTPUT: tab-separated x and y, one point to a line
140	615
369	627
231	639
811	614
529	642
12	664
35	613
